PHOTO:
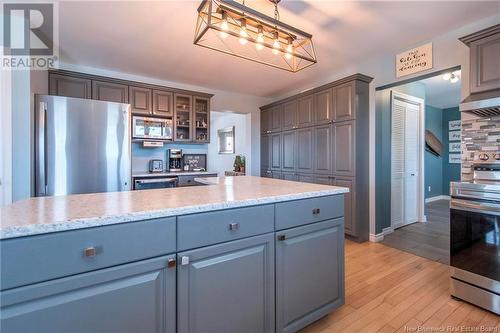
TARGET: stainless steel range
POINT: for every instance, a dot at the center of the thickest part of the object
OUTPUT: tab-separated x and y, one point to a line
475	235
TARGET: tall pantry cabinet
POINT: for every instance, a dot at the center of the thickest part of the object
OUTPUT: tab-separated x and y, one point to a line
321	136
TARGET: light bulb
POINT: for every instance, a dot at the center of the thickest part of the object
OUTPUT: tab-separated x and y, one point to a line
447	76
259	46
243	41
260	38
276	44
288	56
276	51
224	25
223	34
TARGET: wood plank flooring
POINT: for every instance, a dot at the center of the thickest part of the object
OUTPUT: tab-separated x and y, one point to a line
430	240
388	290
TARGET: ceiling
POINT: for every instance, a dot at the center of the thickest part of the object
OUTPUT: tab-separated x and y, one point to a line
155	39
441	93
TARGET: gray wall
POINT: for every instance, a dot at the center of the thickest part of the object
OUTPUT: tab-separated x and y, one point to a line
433	164
451	172
383	150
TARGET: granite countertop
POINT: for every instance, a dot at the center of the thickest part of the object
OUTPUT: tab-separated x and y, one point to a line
167	173
60	213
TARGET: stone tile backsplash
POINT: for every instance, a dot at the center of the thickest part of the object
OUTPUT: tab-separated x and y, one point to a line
478	135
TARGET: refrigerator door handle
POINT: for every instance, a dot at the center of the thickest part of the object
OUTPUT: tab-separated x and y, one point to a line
42	149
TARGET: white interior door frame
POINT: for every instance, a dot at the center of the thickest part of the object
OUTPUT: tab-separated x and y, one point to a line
420	103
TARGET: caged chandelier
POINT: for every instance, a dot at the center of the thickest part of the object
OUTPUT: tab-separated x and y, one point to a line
233	28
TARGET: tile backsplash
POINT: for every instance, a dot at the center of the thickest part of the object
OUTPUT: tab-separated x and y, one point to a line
478	135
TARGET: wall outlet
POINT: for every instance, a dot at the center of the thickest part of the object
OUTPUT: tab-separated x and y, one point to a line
429	189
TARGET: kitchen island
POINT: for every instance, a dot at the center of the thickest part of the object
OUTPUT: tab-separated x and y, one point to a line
244	254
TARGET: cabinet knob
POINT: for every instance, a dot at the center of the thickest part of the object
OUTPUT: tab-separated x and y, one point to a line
234	226
171	263
281	237
92	251
316	211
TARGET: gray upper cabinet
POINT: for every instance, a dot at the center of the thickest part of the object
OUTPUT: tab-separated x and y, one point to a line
163	103
323	143
305	111
137	297
343	102
227	287
289	118
323	113
301	298
265	152
275	118
109	91
344	148
305	150
349	208
62	85
485	63
140	100
265	121
289	151
275	151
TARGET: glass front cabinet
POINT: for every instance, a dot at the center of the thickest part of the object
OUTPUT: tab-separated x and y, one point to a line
201	125
192	118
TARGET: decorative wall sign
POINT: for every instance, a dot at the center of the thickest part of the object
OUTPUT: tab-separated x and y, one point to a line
455	159
455	125
455	147
454	136
415	60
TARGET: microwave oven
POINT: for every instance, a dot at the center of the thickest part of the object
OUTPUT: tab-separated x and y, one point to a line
151	128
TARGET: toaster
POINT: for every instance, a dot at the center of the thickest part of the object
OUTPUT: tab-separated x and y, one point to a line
155	166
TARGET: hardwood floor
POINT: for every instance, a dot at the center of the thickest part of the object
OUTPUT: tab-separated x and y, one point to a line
430	240
388	290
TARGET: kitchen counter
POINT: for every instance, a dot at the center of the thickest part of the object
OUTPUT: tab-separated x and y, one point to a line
60	213
170	174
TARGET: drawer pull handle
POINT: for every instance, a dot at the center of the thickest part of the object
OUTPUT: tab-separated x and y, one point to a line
171	263
316	211
90	252
281	237
234	226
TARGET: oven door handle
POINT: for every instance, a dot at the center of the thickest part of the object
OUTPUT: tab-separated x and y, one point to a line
480	207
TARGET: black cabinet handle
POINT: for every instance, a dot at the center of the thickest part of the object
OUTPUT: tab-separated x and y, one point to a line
281	237
316	211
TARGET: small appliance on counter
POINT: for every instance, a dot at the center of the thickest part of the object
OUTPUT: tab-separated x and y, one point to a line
174	157
155	166
195	162
475	235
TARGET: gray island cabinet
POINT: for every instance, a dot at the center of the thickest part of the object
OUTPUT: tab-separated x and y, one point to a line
269	267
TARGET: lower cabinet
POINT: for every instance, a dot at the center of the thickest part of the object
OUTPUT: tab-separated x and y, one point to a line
227	287
136	297
309	273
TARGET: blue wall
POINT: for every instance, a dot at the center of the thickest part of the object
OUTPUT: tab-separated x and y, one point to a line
433	165
383	150
451	172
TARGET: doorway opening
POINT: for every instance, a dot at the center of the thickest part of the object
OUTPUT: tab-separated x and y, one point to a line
418	155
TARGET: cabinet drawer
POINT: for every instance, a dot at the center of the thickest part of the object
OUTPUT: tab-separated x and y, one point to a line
34	259
221	226
300	212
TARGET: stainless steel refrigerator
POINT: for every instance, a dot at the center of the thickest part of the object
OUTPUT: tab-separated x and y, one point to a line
82	146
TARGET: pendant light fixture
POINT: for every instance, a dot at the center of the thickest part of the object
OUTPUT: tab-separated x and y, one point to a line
233	28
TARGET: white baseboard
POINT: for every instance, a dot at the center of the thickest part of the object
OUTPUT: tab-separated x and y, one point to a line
380	237
437	197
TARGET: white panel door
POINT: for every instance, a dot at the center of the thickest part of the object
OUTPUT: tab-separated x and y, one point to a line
397	163
411	163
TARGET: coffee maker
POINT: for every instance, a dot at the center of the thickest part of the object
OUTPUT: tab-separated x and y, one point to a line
174	157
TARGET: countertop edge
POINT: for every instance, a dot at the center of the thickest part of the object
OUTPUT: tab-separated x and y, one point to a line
75	224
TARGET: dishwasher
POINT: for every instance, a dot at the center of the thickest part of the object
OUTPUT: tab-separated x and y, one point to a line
148	183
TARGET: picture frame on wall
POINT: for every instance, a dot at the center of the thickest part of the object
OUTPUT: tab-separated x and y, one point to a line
455	125
455	159
455	147
454	136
